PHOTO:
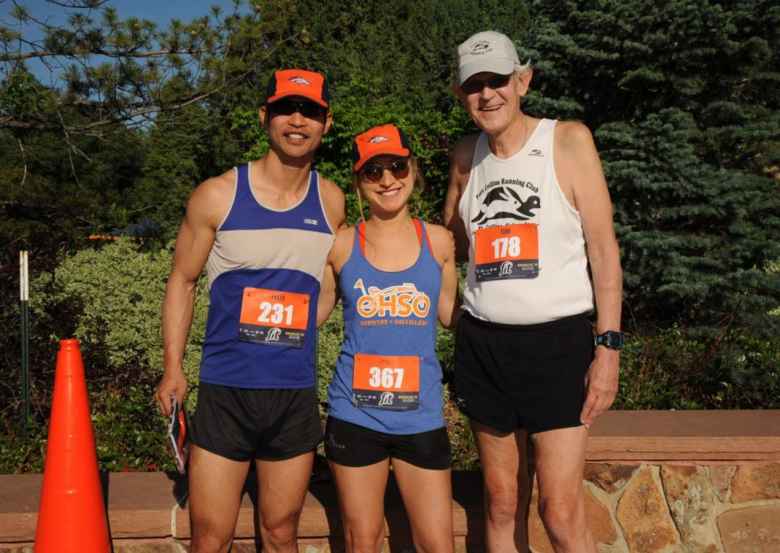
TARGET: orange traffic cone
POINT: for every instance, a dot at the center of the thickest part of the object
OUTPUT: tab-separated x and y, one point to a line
71	517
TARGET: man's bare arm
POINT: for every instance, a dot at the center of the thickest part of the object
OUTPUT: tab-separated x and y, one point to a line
578	164
205	209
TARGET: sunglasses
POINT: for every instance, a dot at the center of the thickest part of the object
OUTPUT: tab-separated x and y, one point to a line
310	110
472	86
374	170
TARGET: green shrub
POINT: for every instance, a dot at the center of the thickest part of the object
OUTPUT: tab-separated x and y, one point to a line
679	369
111	300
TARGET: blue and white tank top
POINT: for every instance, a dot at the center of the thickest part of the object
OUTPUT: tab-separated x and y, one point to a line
387	376
264	272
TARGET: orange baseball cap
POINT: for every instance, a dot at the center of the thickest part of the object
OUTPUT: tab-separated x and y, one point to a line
298	82
376	141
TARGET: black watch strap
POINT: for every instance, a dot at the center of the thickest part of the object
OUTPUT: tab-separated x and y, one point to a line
611	339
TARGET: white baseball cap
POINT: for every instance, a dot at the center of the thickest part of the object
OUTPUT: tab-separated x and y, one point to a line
488	51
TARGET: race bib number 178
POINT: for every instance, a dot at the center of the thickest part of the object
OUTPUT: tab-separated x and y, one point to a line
273	317
506	252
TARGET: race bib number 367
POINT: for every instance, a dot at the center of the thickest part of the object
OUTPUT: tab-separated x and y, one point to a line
273	317
506	252
386	381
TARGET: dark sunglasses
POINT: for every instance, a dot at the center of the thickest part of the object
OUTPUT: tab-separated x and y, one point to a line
310	110
472	86
373	170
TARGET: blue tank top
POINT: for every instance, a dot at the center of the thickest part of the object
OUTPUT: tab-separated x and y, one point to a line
264	272
387	375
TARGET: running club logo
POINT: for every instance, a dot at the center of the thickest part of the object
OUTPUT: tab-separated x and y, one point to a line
403	300
504	203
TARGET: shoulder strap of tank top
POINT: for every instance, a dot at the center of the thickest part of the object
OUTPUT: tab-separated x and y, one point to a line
360	235
242	182
243	193
419	227
314	182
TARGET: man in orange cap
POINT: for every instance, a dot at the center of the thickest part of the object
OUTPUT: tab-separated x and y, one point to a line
262	231
528	201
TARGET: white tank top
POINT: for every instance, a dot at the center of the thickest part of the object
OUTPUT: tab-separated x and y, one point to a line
527	261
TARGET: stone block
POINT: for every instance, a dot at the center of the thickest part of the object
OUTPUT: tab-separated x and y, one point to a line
692	502
752	482
751	530
644	516
609	477
599	521
721	477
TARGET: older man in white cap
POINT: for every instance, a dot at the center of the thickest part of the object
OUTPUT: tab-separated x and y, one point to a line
528	201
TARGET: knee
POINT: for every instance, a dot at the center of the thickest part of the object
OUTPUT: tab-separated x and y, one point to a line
562	517
206	541
362	539
280	532
437	544
502	502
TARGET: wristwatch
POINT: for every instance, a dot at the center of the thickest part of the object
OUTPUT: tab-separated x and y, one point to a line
611	339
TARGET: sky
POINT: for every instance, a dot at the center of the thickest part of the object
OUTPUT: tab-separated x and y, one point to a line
159	11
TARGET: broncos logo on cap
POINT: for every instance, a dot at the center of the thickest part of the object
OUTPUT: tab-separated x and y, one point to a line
299	80
378	139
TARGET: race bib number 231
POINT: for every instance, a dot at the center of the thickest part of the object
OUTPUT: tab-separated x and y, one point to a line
273	317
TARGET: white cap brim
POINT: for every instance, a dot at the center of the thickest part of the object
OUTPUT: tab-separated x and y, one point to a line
503	66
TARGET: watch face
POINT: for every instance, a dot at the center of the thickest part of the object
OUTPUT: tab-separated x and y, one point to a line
610	339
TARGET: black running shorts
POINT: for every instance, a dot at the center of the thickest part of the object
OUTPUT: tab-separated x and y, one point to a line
356	446
268	424
532	377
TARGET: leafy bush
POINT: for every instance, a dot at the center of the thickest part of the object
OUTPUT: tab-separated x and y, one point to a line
680	369
110	299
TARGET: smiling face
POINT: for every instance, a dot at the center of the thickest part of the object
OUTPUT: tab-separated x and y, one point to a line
492	100
385	182
295	126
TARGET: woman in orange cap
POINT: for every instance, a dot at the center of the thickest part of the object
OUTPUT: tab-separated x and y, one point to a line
396	278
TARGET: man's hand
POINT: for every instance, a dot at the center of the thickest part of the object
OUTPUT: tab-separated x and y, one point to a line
173	383
601	384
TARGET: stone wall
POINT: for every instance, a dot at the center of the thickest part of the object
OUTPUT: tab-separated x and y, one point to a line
671	508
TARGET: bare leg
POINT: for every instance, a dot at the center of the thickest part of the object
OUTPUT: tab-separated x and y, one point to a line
215	485
560	462
281	490
362	501
427	496
503	459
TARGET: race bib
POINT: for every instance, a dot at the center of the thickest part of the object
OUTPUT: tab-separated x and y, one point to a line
273	317
506	252
389	382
